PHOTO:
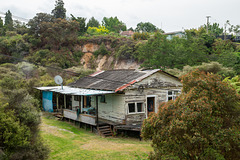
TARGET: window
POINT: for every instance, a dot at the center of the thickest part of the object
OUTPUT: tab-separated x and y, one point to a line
131	107
139	107
77	98
103	99
172	94
135	107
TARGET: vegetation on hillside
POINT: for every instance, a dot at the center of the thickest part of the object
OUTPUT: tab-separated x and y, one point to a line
52	43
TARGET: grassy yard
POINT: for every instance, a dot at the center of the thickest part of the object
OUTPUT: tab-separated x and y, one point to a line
67	141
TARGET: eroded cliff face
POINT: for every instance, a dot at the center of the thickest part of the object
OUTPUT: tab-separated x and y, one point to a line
105	62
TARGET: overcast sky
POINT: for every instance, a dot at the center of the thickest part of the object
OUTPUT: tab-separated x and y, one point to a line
170	15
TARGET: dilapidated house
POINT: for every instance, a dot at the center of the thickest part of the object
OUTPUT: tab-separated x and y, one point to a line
121	99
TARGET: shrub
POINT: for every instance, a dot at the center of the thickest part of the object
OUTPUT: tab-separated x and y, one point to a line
97	30
141	36
202	123
102	50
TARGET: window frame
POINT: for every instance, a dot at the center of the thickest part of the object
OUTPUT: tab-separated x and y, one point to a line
103	99
77	98
173	95
136	107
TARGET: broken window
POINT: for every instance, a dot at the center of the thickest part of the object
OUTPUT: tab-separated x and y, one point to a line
172	94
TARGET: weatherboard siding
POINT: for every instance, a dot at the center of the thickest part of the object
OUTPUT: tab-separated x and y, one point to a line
155	79
113	108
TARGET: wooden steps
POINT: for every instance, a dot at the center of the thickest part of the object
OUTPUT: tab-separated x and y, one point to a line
58	115
105	130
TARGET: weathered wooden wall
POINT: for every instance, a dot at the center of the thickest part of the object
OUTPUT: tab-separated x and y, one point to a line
113	109
135	118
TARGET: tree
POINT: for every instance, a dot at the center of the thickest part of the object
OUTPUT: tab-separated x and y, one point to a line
20	27
114	24
93	23
214	29
146	27
59	11
2	29
202	123
212	67
19	118
8	20
34	23
58	33
82	24
159	52
130	29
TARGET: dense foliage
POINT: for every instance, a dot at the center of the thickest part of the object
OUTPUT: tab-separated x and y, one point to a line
56	44
8	20
19	117
146	27
202	123
59	11
92	22
114	24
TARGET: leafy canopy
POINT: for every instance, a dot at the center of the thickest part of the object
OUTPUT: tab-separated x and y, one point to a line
8	20
202	123
59	11
146	27
114	24
93	23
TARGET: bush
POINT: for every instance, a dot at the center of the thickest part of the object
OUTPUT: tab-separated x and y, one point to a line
202	123
212	67
141	36
97	30
102	50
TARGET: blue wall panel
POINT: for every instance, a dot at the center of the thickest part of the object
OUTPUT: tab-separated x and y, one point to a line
47	101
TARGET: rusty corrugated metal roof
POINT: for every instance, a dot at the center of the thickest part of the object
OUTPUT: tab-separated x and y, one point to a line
109	80
112	80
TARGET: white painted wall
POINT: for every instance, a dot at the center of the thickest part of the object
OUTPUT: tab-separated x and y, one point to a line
74	104
113	109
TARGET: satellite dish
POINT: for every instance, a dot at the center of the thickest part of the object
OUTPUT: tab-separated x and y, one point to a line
58	79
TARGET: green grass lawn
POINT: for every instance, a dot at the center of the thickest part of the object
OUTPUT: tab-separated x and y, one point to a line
67	141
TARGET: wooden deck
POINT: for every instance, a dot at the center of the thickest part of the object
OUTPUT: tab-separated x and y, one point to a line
84	118
90	119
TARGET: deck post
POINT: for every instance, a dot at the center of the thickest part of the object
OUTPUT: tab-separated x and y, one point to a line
97	111
57	102
65	102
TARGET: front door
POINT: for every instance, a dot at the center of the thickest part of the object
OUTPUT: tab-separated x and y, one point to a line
150	105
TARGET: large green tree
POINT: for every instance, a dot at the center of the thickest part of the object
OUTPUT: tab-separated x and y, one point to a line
214	29
19	118
34	24
159	52
59	11
114	24
8	20
202	123
146	27
82	24
58	33
1	27
93	22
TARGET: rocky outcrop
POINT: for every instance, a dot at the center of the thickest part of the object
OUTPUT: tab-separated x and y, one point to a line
106	62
